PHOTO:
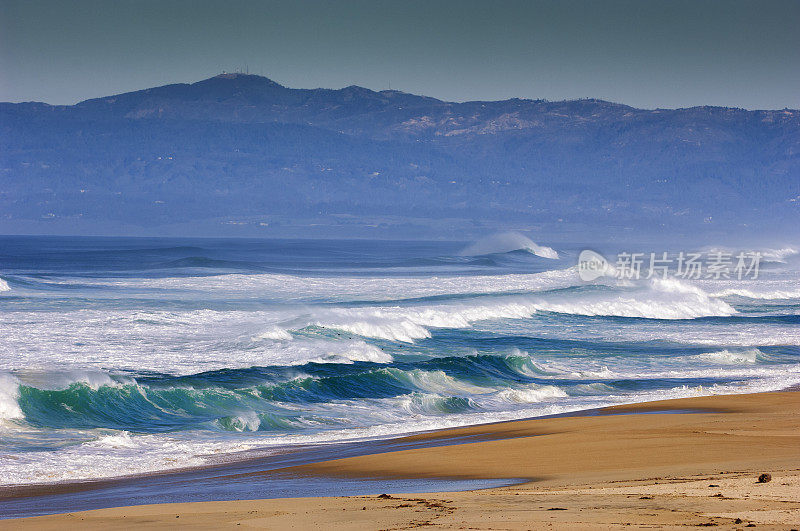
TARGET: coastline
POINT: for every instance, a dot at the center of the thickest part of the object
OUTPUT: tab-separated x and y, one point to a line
619	465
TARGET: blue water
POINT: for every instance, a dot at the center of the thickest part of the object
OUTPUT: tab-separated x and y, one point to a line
126	355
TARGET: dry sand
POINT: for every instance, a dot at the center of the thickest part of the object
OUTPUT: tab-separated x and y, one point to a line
611	471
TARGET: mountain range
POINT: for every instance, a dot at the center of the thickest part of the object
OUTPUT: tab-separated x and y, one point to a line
240	154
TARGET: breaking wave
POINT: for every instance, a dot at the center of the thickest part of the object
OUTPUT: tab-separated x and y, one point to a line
778	255
118	419
9	394
764	295
734	356
508	242
111	366
278	404
284	399
305	288
662	299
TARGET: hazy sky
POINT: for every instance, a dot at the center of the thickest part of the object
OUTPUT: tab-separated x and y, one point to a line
645	53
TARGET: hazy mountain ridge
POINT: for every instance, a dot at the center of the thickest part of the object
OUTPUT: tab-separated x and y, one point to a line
243	151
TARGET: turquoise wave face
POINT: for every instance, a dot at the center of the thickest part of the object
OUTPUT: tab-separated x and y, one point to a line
132	355
315	396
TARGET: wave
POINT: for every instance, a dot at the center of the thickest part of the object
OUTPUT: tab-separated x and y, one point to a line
118	440
767	254
114	453
778	255
373	396
508	242
280	399
162	422
341	351
154	406
186	342
4	285
110	370
764	295
340	288
661	299
734	356
109	453
407	324
174	342
531	393
276	333
273	398
417	404
9	394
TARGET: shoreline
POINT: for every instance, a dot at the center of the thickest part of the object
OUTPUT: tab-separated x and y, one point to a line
721	436
369	446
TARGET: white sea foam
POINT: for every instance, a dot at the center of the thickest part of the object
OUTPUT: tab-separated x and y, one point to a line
764	295
767	254
680	303
340	288
737	334
117	454
246	421
92	378
602	373
4	285
440	383
169	341
356	351
114	440
83	342
276	333
663	299
414	322
531	394
9	393
778	255
733	356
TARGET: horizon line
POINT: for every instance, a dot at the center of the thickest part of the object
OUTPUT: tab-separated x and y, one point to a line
224	74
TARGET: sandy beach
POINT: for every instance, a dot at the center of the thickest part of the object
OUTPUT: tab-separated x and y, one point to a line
669	464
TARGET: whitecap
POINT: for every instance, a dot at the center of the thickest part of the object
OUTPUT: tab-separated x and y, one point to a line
275	333
733	356
531	394
507	242
9	395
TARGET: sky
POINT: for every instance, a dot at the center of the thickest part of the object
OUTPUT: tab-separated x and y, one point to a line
645	53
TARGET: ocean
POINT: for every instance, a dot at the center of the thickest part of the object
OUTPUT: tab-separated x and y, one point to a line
124	356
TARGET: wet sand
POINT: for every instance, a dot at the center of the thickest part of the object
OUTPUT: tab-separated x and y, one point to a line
696	466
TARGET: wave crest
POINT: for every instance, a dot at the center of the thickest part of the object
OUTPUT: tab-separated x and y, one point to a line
661	299
763	295
507	242
733	356
9	394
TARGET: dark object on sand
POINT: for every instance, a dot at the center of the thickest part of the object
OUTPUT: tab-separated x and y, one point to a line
765	478
384	497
